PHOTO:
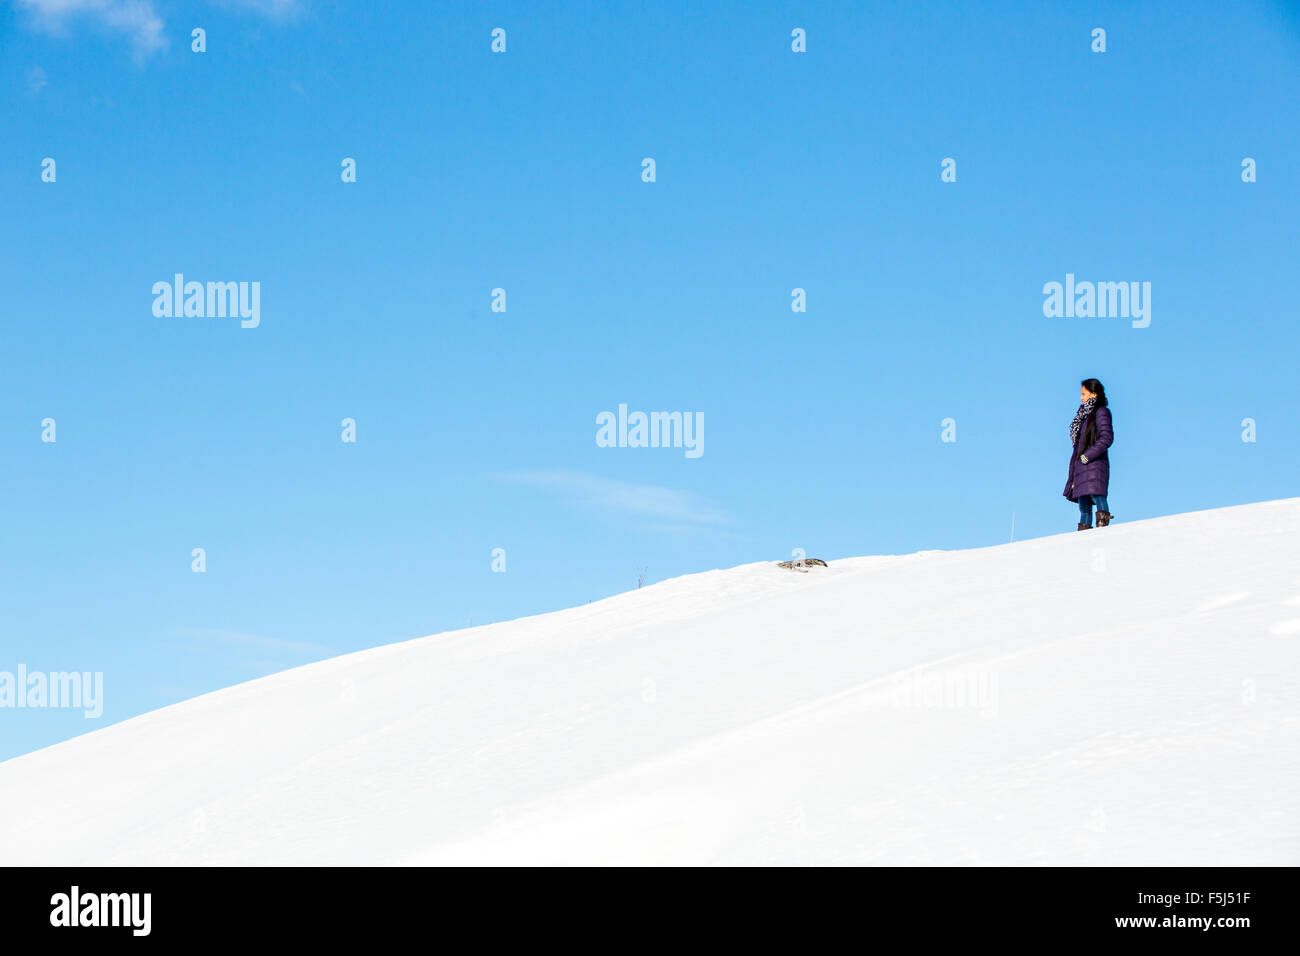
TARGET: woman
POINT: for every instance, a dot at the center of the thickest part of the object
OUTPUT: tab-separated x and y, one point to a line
1090	436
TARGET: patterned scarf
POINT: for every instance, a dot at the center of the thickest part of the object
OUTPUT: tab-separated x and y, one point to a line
1084	411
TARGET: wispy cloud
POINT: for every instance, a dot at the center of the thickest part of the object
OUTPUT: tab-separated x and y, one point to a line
667	506
136	19
36	80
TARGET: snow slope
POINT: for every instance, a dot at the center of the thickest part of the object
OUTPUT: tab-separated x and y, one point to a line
1127	695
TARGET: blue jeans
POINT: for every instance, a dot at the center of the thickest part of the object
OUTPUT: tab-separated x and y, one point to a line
1085	507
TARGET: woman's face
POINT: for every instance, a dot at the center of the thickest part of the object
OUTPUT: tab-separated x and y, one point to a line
1084	394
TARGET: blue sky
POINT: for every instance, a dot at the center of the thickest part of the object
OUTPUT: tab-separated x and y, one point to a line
476	429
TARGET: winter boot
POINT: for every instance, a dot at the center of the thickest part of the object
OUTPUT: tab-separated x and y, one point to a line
1083	527
1103	518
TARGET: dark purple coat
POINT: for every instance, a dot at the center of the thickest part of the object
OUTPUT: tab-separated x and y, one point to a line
1094	477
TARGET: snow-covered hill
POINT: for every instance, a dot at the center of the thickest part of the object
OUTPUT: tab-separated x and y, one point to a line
1128	695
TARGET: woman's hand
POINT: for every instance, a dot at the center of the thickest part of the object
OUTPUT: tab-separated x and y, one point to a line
1084	459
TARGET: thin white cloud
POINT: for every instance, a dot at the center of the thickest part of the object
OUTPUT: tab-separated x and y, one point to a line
666	506
36	80
136	19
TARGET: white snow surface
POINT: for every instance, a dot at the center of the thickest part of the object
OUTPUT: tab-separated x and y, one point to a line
1127	695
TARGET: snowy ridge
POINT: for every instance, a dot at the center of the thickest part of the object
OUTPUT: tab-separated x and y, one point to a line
1127	695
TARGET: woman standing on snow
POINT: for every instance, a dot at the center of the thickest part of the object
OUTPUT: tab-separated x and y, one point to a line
1090	436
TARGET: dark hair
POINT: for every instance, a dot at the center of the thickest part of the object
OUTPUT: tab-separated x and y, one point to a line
1092	385
1090	426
